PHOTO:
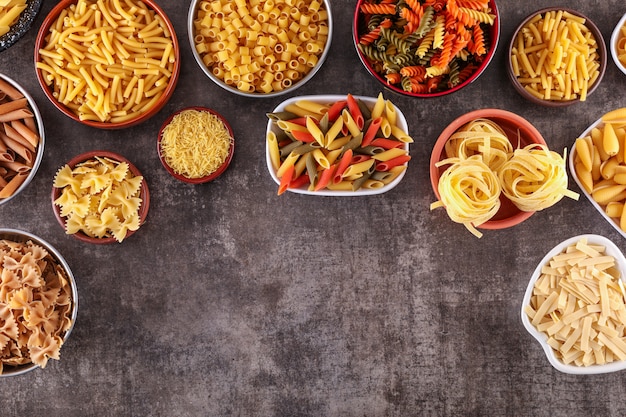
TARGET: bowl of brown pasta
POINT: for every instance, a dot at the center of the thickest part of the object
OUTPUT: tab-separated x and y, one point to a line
196	144
264	50
100	197
422	49
491	169
556	57
38	302
22	139
107	75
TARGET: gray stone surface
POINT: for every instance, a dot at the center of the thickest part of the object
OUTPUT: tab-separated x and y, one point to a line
233	301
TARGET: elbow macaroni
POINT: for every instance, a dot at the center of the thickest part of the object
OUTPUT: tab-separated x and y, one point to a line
276	43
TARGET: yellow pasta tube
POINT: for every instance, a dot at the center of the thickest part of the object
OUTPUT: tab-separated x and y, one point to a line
584	153
315	131
610	143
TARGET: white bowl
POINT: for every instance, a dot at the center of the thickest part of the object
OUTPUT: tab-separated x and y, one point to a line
369	101
571	162
613	46
611	249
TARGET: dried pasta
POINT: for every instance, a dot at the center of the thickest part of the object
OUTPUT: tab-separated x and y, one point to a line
10	11
111	69
35	305
578	303
436	36
99	197
340	146
620	46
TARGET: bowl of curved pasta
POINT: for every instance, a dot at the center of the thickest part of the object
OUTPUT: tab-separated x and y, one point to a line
110	76
100	197
16	19
421	50
263	49
38	302
618	44
22	139
196	144
574	306
337	145
492	169
556	57
597	165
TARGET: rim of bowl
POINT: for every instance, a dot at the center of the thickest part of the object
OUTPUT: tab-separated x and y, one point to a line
167	93
144	193
494	35
42	137
222	84
522	124
601	50
22	236
22	26
330	98
541	337
207	178
614	37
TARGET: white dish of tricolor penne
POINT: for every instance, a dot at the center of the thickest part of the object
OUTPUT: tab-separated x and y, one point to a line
337	145
21	138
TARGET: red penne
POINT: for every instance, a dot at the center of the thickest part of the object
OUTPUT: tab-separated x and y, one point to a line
371	131
359	158
301	121
286	179
387	165
334	111
305	137
386	143
300	181
355	111
326	177
344	162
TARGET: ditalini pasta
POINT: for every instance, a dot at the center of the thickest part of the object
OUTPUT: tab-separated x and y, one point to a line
323	145
578	303
108	60
482	164
599	162
35	305
19	139
99	197
555	57
425	47
262	46
10	11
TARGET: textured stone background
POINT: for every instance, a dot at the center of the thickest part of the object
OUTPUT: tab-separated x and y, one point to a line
232	301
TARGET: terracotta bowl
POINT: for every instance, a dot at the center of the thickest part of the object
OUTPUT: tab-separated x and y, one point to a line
23	237
37	158
513	125
373	67
517	85
144	194
207	178
143	114
213	68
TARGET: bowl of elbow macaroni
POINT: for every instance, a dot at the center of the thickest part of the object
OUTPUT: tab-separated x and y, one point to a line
261	50
556	57
421	50
99	70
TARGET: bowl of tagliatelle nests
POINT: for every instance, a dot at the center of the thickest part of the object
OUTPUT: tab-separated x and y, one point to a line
107	64
260	49
557	57
196	145
100	197
492	169
22	139
421	49
38	302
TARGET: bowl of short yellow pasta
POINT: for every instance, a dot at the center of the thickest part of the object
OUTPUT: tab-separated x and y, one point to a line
110	75
263	49
556	57
618	44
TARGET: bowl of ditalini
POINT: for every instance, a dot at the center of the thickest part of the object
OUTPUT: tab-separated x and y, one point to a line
337	145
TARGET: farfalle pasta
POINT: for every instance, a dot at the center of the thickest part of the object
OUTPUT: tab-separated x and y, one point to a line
36	305
99	197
